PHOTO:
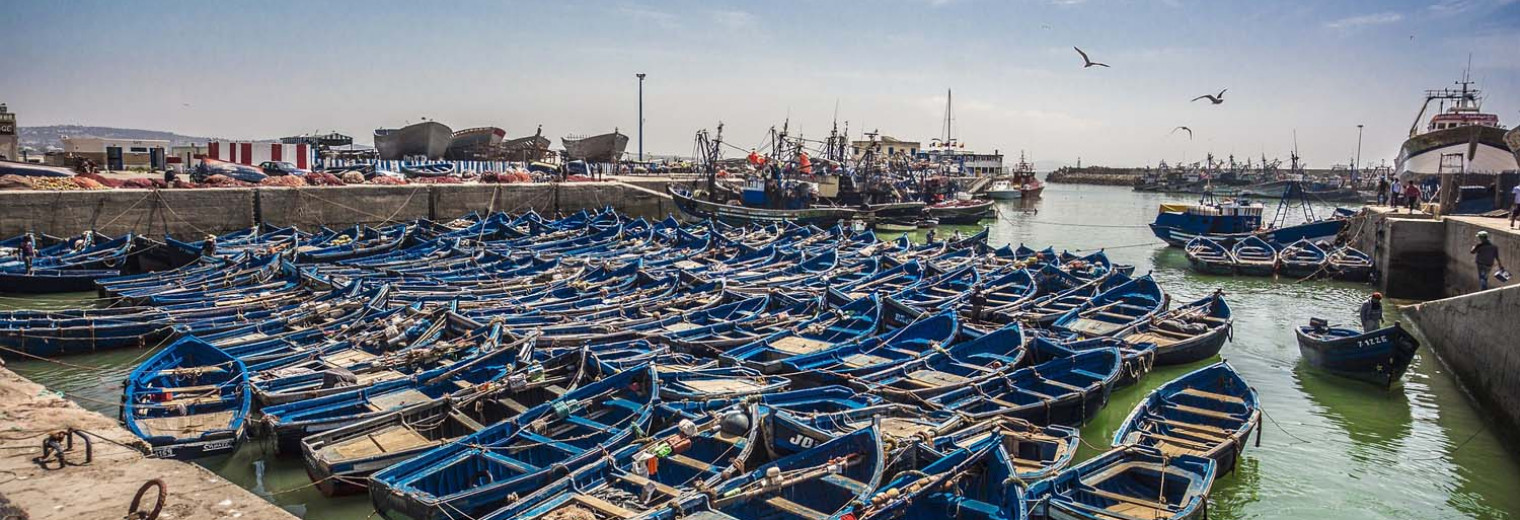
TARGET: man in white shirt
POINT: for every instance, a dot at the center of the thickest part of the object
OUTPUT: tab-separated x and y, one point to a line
1514	209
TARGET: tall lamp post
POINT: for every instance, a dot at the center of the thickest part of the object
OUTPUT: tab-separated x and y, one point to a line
641	116
1356	163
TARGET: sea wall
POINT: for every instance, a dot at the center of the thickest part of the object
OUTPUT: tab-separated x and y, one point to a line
1099	176
192	213
1474	336
102	488
1461	268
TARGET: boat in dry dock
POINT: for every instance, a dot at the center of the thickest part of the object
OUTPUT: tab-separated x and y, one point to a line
429	139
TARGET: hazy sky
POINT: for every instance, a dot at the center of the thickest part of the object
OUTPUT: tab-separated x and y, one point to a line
267	69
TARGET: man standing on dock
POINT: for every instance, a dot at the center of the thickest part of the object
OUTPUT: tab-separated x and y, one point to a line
1412	194
1382	191
1514	209
1486	254
1372	313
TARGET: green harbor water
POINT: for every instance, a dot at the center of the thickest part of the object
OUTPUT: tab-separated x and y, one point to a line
1331	448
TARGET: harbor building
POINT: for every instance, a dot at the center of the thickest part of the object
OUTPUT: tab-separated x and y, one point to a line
10	140
118	154
251	153
886	145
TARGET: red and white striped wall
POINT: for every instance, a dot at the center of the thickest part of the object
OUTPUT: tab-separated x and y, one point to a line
254	153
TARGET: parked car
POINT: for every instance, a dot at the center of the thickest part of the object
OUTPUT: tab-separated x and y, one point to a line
209	167
273	168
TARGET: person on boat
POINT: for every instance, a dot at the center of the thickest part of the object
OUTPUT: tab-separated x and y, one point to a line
1412	194
28	251
978	302
1382	191
755	161
1372	313
1486	254
804	164
929	238
208	247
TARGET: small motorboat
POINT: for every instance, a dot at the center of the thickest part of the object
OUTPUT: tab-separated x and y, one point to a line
1350	264
961	211
1254	257
1209	257
188	401
1209	412
895	226
1302	259
1380	356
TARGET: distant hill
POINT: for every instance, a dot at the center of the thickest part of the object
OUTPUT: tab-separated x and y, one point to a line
40	137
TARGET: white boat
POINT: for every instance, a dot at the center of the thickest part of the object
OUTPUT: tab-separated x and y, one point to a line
1461	139
1023	184
1005	190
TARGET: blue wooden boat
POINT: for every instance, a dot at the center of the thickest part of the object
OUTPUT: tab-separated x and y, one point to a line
1138	357
1348	263
1254	256
920	338
708	383
1209	257
742	215
1209	412
1115	310
1031	452
1129	482
1190	333
1065	391
983	356
853	321
818	483
973	483
1379	357
189	400
339	460
1302	259
474	475
1062	293
694	454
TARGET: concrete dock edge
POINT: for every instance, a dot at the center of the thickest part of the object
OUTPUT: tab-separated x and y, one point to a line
1475	336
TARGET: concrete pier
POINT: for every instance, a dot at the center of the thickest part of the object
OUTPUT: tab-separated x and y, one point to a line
1474	335
1421	257
193	213
103	488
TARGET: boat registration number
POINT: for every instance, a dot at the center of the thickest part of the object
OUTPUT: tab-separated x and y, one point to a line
1369	342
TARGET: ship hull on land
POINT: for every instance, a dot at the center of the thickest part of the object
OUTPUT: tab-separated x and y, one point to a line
429	139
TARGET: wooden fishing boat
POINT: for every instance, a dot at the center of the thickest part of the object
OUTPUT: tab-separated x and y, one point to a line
188	401
1063	293
855	320
1254	256
339	460
1348	263
1209	257
1301	259
961	212
1209	413
695	453
818	483
1379	357
1065	391
741	215
1138	358
472	476
1187	334
1115	310
1033	452
985	356
1129	482
978	482
895	226
847	360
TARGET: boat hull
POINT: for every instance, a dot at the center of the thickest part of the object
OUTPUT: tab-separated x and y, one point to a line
1482	149
740	215
597	148
1379	357
429	138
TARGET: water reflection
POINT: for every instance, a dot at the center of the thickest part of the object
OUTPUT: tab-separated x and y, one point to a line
1376	420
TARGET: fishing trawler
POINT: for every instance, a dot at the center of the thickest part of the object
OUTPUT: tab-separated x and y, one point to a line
596	148
1022	184
1459	139
426	139
475	144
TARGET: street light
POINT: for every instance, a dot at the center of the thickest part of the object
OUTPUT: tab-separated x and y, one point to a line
641	116
1358	161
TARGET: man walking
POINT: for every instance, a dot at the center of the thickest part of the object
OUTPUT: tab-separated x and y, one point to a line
1514	209
1486	254
1382	191
1372	313
1412	194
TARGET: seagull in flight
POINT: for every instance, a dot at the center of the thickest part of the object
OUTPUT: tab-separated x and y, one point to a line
1215	99
1088	62
1189	131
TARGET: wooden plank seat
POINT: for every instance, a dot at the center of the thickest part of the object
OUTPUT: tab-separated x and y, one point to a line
1213	396
795	509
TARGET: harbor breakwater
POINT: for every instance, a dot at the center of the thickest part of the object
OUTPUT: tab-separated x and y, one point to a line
195	213
1095	175
1474	335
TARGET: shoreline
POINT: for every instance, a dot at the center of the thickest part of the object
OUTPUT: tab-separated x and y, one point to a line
104	487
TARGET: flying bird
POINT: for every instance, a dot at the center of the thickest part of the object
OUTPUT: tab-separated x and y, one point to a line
1189	131
1215	99
1045	26
1087	62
